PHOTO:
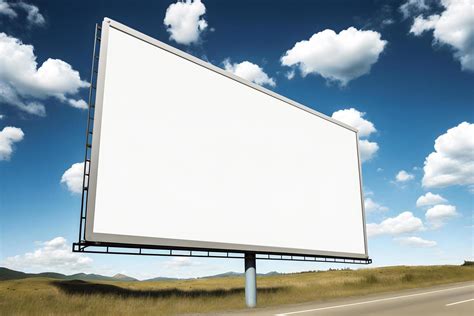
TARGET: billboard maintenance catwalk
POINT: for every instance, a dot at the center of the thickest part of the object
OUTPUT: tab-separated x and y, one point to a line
184	156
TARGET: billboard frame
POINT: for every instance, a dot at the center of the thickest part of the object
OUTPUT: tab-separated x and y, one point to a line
88	238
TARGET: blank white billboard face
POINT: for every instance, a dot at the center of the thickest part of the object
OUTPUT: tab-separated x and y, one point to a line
187	155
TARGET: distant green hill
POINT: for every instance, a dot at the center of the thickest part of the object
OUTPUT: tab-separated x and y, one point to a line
123	277
237	274
8	274
160	279
52	275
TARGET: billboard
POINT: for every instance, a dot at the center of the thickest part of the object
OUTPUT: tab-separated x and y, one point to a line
187	155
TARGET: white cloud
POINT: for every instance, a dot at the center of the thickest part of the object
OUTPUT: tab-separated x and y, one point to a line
22	80
6	9
421	25
183	21
9	96
8	136
430	199
438	214
336	57
371	205
73	177
249	71
403	223
180	262
34	17
367	149
412	7
290	74
80	104
416	242
53	255
355	119
388	21
453	27
403	176
452	162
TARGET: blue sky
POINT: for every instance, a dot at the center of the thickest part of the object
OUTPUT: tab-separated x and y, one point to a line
401	71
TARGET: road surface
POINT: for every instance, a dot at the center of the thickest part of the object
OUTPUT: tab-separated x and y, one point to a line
453	299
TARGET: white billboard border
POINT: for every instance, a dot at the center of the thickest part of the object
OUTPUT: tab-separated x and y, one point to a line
112	240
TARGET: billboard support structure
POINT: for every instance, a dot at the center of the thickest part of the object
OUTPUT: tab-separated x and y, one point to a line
89	132
250	280
86	246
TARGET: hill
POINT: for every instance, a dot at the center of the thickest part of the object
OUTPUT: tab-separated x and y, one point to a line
123	277
237	274
160	279
8	274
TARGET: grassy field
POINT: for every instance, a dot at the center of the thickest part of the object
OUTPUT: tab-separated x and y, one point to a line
44	296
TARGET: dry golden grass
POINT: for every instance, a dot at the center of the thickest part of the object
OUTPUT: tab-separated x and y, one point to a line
43	296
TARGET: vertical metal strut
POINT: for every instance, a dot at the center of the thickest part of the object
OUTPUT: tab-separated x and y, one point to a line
90	123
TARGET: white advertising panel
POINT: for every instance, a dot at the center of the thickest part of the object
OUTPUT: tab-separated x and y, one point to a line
187	155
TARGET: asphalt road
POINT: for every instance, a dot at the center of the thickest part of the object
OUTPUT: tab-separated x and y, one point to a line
453	299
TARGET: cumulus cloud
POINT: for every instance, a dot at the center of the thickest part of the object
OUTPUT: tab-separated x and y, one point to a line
53	255
80	104
249	71
416	242
403	176
8	95
405	222
290	74
421	25
33	15
22	82
8	136
430	199
371	205
73	178
453	27
183	21
6	9
367	149
439	214
412	7
336	57
356	119
452	162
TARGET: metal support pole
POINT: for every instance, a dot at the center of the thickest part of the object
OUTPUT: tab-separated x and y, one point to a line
250	280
